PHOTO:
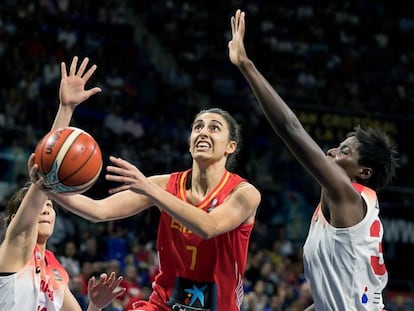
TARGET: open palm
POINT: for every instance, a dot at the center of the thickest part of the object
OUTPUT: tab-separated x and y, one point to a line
72	87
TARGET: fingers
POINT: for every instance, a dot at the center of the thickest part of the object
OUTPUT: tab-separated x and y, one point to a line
89	73
118	189
241	24
80	72
115	159
73	66
82	67
91	283
32	167
103	277
31	160
122	163
232	26
113	281
63	70
237	22
93	91
119	291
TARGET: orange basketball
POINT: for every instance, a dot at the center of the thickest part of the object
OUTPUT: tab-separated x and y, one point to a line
69	159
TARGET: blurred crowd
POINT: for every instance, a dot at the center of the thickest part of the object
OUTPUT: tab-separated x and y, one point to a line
159	63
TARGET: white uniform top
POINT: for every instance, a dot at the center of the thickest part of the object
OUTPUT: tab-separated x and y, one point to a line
36	287
345	266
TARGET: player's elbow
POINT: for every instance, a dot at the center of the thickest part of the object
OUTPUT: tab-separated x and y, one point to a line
208	231
205	230
206	235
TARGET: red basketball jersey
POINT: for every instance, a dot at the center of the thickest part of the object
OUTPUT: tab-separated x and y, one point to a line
199	274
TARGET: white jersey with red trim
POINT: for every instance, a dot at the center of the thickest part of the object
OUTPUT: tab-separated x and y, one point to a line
345	266
36	287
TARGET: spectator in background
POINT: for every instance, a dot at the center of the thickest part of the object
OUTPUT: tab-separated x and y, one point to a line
69	259
131	283
89	251
114	122
257	299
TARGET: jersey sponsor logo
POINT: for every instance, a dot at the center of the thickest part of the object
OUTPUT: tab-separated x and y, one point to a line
364	298
190	295
212	205
376	297
57	275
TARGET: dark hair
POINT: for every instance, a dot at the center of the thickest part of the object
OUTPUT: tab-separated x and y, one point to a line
377	151
234	132
14	202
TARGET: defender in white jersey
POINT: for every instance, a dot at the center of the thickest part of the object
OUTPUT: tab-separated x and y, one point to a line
352	258
31	278
343	253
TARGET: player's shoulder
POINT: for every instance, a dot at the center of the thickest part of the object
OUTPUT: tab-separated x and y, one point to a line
248	189
243	183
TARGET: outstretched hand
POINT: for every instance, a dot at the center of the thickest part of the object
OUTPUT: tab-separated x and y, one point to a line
127	174
103	291
72	87
237	52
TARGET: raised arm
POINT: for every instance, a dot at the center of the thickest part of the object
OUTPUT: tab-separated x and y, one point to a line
21	234
72	90
282	119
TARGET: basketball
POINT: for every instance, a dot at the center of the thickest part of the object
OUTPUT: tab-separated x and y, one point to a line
69	159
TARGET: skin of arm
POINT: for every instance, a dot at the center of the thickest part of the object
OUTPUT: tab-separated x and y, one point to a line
21	234
117	206
240	207
338	191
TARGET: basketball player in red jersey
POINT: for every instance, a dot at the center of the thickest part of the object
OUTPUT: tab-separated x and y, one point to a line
207	215
31	278
343	258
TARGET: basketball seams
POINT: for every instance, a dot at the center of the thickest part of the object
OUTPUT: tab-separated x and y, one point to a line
91	154
73	153
65	147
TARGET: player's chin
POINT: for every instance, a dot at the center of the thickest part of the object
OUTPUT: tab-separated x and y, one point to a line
45	231
201	156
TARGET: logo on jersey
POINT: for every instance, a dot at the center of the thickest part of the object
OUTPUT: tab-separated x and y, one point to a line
189	295
57	276
38	258
364	297
376	297
212	205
